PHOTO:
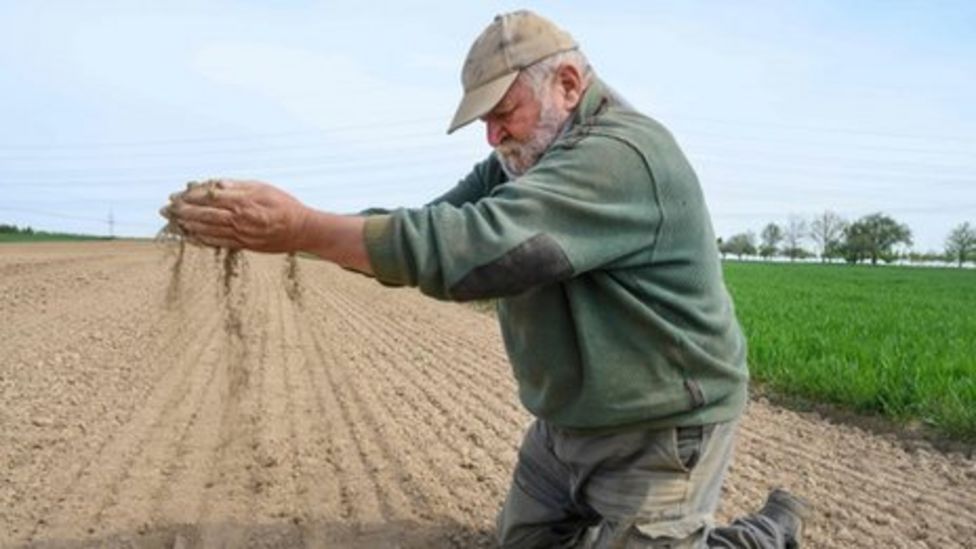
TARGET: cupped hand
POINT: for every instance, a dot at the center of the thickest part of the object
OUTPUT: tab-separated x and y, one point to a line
239	214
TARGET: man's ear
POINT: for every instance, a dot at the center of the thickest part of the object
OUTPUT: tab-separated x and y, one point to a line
569	85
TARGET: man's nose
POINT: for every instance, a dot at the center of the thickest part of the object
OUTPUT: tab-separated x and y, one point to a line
495	131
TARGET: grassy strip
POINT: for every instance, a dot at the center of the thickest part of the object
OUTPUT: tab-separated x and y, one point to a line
896	341
48	237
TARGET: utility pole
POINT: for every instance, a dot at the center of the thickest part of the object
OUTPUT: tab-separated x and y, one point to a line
111	223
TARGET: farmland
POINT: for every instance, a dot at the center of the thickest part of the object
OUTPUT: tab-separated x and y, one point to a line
147	404
890	340
47	237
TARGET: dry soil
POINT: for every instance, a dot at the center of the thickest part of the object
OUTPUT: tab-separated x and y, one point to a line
134	413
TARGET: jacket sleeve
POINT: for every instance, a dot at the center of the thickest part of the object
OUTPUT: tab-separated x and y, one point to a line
578	209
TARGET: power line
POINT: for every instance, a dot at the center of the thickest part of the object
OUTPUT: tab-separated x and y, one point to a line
821	170
61	215
199	140
399	123
832	144
364	169
817	162
828	129
328	161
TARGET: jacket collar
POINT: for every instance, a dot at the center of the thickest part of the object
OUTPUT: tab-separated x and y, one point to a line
594	102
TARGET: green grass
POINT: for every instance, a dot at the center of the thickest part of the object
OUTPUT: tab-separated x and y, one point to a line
47	237
891	340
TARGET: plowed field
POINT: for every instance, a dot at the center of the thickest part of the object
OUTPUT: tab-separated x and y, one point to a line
135	411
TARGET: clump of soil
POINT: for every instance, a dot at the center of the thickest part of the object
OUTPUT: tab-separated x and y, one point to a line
172	230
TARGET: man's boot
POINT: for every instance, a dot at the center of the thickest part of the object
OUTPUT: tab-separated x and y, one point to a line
789	512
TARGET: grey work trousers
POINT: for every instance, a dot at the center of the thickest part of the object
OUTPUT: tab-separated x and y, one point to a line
645	488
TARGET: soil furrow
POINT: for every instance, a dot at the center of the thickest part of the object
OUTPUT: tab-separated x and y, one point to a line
400	327
457	483
952	500
344	466
440	415
359	494
50	474
363	441
133	503
441	395
179	500
227	517
273	469
316	489
102	474
142	409
858	494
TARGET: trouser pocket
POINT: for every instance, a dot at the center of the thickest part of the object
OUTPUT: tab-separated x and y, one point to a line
690	444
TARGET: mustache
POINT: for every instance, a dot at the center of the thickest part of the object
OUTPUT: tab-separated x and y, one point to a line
517	156
509	147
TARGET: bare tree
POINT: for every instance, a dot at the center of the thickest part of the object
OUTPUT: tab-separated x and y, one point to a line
793	234
827	231
771	236
961	243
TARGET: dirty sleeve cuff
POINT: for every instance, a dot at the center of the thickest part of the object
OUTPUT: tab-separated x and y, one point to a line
378	233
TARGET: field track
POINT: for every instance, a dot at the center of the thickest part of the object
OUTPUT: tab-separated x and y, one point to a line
135	413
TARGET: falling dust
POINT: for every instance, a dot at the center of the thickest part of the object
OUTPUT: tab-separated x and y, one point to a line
293	285
176	276
233	296
232	269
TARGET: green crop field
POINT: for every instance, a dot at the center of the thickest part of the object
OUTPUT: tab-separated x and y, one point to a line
894	340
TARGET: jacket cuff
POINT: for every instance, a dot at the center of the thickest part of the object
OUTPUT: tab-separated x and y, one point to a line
379	238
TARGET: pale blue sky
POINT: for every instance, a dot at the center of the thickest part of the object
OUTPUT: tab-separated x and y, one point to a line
783	107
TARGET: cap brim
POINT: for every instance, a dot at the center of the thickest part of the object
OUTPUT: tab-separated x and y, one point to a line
479	101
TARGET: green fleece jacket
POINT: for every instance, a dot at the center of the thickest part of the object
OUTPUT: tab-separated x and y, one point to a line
612	304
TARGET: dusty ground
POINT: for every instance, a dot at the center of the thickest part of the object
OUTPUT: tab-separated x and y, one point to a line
357	416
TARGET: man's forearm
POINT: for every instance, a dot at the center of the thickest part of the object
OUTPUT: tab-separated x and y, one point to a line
336	238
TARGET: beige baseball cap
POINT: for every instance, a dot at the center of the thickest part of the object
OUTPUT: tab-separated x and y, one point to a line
512	42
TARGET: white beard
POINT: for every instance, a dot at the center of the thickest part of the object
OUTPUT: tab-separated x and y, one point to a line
517	158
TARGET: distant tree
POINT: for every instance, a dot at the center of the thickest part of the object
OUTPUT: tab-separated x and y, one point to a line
14	229
771	236
873	237
827	230
960	245
793	233
836	249
927	257
740	244
798	253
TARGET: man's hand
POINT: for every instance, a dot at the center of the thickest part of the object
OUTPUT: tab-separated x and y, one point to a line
240	214
256	216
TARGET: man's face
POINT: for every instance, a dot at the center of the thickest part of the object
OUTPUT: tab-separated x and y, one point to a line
522	126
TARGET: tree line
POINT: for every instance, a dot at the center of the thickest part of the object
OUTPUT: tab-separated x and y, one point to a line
871	238
14	229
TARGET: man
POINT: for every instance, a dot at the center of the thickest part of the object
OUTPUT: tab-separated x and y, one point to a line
589	225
